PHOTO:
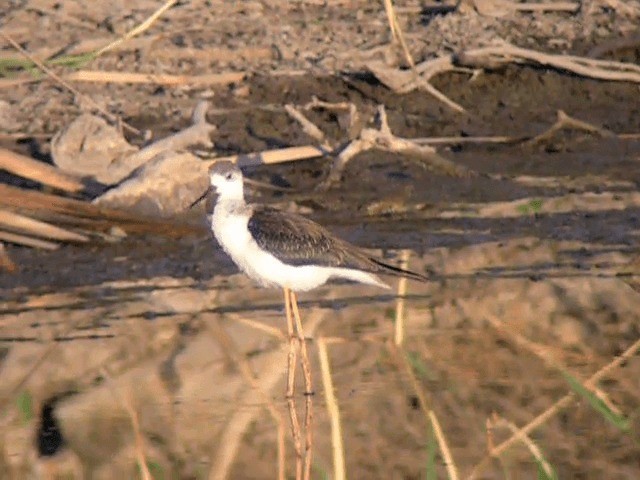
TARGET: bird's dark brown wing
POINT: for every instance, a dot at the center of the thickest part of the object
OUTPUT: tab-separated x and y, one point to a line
296	240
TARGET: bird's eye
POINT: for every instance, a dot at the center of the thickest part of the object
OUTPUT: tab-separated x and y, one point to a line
228	176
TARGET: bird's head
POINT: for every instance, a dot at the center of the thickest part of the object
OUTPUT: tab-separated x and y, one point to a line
226	180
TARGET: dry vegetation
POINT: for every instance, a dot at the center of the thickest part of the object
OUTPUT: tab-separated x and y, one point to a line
519	359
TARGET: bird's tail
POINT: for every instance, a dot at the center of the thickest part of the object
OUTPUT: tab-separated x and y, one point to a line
399	272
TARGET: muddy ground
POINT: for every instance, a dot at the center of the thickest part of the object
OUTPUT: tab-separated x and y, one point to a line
535	261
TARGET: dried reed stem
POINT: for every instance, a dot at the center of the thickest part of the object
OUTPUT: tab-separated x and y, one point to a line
291	376
498	421
125	401
138	28
447	458
398	330
339	470
308	384
27	167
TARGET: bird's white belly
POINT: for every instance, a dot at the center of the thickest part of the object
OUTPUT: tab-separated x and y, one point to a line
233	235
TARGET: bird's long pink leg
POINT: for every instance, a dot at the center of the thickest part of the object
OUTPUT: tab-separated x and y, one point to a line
308	385
291	376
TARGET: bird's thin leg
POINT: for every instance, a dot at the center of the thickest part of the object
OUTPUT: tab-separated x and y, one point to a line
308	385
291	376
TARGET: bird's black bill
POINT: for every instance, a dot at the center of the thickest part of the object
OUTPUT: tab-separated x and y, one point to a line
201	197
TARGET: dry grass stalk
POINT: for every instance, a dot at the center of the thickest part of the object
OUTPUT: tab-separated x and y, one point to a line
27	241
272	331
32	200
497	421
400	356
339	470
396	32
125	401
550	412
306	371
291	377
23	224
26	167
230	347
98	76
138	28
398	327
67	85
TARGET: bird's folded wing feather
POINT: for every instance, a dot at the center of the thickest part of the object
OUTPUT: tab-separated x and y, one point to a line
296	240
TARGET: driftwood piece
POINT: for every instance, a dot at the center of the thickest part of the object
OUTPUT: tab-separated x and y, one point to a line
564	121
196	134
403	81
384	139
89	146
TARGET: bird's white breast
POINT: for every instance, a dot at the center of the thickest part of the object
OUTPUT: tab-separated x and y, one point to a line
230	229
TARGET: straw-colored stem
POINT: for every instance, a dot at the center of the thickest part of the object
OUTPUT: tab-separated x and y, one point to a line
308	384
447	458
291	375
127	404
339	470
398	333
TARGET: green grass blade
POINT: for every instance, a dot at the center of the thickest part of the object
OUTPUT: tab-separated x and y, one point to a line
614	418
542	471
432	448
24	403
